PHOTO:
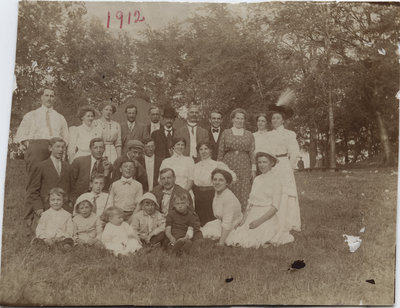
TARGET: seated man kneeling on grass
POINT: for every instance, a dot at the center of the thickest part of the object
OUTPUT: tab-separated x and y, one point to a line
181	226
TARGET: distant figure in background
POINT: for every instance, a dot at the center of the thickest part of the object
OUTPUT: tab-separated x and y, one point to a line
215	132
260	138
236	149
37	127
283	144
80	136
163	137
45	175
131	129
110	132
192	132
300	164
155	116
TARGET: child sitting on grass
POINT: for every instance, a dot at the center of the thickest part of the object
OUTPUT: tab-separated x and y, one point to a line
181	226
126	192
87	226
96	196
118	236
55	224
149	223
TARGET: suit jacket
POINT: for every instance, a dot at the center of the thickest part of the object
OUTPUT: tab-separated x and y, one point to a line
43	178
214	154
183	132
80	176
161	142
148	126
157	164
139	132
140	175
158	192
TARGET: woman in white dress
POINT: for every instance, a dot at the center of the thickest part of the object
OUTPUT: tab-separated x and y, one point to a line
226	208
203	188
283	144
181	164
260	224
110	132
260	134
80	136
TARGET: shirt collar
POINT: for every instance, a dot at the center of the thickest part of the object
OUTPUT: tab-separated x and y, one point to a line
125	179
45	109
149	157
280	128
191	124
237	131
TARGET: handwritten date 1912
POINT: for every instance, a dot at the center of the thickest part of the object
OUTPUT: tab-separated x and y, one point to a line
120	16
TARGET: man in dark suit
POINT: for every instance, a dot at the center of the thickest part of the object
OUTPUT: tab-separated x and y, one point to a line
163	137
84	167
215	131
134	154
192	133
47	174
151	163
132	130
166	190
155	116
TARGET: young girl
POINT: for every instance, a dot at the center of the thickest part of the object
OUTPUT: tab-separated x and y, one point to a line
87	226
55	224
118	236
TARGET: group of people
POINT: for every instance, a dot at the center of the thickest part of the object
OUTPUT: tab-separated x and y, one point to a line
127	185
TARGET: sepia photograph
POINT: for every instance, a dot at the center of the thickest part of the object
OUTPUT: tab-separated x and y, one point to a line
185	154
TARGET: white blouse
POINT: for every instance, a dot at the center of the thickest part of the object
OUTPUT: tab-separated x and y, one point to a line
260	139
53	224
283	141
266	190
79	140
202	170
227	209
182	166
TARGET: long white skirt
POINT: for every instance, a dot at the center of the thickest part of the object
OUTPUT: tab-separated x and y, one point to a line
268	232
289	210
111	153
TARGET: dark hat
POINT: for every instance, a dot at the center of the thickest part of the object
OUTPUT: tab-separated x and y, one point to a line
169	112
135	144
286	111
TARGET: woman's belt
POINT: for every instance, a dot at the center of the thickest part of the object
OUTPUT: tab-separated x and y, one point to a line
282	155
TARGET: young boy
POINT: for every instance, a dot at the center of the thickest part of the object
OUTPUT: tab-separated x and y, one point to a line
126	192
181	226
149	223
96	195
55	224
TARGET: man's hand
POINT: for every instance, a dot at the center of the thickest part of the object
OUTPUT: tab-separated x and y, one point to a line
39	212
107	167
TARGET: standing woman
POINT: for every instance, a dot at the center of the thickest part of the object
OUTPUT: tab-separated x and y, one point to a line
260	134
283	144
110	132
203	189
80	136
236	149
226	208
181	164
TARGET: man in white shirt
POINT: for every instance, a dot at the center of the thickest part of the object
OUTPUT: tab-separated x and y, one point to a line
37	127
155	116
215	131
192	132
152	163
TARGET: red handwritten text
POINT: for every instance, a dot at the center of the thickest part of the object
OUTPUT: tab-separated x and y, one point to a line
119	15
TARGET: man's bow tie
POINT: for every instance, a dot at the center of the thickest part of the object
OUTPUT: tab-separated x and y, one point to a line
166	192
215	130
126	182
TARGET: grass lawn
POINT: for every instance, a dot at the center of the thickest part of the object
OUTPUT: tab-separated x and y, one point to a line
332	204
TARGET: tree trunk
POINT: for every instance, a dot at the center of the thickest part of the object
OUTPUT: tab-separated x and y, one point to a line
332	139
346	148
384	138
313	147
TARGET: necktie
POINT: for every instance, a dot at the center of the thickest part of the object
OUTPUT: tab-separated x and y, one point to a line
192	127
126	182
169	137
48	123
130	126
215	130
58	167
95	203
95	168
